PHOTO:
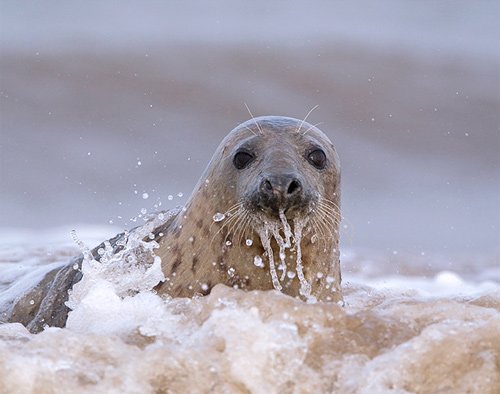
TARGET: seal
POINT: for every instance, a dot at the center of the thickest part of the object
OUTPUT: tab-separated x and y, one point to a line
264	215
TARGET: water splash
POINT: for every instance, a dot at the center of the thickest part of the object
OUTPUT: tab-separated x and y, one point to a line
218	217
128	265
83	248
285	238
266	243
305	286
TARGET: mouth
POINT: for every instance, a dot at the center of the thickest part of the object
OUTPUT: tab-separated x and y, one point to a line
275	213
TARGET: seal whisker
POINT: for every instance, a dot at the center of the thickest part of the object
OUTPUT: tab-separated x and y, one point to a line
234	226
233	207
328	217
229	221
251	131
253	118
244	228
312	127
238	231
321	227
303	120
248	226
331	207
326	214
238	227
318	226
228	214
329	202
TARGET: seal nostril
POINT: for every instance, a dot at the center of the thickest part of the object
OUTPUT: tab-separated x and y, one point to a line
294	187
267	186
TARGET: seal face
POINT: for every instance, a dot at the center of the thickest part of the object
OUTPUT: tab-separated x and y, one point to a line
265	214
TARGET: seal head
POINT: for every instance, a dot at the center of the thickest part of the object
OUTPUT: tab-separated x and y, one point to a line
264	215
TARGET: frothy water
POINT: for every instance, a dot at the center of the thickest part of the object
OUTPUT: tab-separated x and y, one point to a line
395	333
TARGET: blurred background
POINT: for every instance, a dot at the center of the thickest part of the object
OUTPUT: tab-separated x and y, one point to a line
101	102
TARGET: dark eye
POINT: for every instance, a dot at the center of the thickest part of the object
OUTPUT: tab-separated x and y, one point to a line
317	158
242	159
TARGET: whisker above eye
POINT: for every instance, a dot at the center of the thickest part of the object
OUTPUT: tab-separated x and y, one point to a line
253	118
303	120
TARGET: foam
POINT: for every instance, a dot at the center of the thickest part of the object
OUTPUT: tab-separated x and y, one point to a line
395	334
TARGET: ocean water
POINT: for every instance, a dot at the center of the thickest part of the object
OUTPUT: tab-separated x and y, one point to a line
408	333
103	103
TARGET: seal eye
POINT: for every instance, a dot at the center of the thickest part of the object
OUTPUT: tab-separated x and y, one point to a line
242	159
317	158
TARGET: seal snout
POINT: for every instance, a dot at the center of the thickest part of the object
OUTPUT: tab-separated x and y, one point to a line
279	192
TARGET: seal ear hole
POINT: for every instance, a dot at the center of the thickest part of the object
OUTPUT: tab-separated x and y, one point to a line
242	159
317	158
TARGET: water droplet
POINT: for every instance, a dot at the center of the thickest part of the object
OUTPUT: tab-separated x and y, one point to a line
144	211
145	196
100	251
314	238
139	163
170	197
204	287
180	194
32	302
219	217
191	239
257	261
291	274
228	243
151	236
249	242
75	267
319	275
